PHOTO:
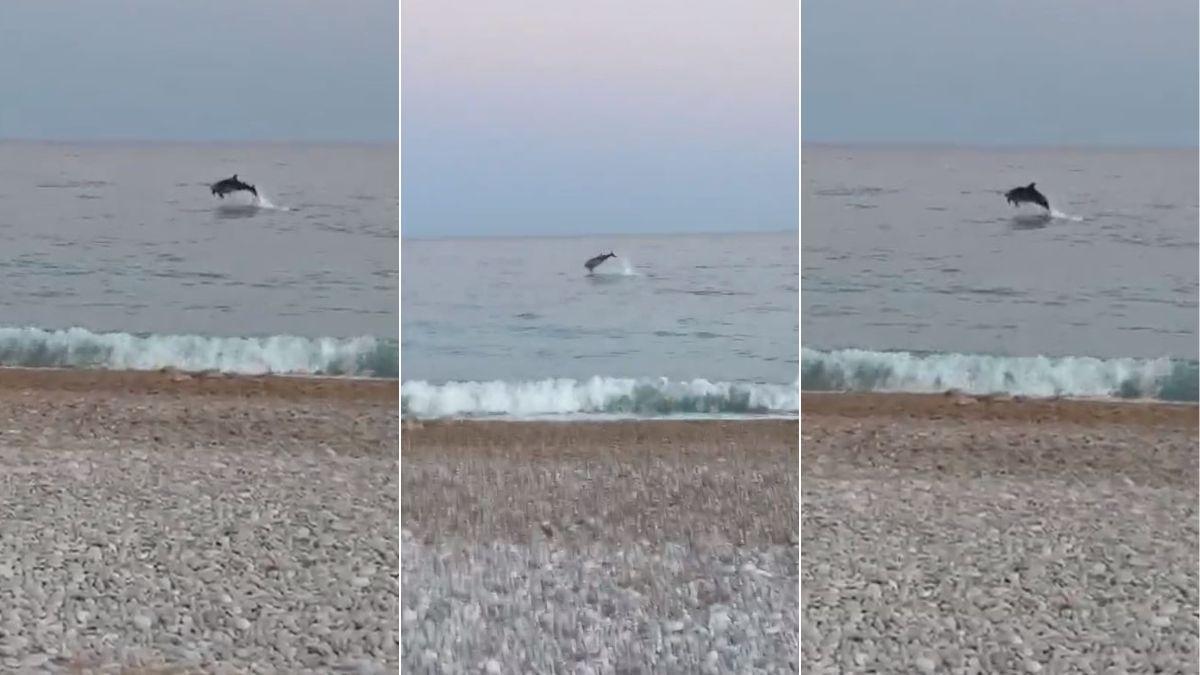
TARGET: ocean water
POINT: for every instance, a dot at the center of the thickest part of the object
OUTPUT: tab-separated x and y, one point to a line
698	325
919	276
116	255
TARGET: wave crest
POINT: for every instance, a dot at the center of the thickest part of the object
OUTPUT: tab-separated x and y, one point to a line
597	395
282	354
1040	376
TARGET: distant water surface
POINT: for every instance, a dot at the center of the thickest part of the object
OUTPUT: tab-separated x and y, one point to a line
674	324
918	274
118	255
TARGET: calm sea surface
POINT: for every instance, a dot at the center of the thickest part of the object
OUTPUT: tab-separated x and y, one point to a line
117	255
915	252
705	323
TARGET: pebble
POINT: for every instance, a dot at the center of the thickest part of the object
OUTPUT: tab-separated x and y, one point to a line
13	645
35	660
718	622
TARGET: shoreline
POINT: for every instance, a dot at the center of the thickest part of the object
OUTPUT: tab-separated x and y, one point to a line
68	409
953	406
1017	398
205	383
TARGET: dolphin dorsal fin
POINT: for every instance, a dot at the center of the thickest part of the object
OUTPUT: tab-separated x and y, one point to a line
1031	185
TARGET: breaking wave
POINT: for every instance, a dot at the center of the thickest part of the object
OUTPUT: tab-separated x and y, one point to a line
279	354
1040	376
603	396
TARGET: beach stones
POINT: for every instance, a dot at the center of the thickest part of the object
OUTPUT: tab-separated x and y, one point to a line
177	558
1043	565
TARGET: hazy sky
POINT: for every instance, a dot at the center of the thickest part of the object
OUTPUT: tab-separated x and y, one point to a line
553	117
1001	71
217	69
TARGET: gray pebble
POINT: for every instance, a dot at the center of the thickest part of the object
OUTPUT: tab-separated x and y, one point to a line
157	560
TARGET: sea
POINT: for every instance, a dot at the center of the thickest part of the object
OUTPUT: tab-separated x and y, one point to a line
914	275
918	276
117	255
675	326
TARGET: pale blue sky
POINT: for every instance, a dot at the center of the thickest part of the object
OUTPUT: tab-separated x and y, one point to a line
318	70
551	117
1001	72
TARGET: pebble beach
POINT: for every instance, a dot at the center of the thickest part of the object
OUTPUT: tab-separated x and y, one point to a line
960	534
161	522
600	547
166	522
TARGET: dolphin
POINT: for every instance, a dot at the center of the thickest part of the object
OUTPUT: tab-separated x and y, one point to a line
224	187
591	264
1027	194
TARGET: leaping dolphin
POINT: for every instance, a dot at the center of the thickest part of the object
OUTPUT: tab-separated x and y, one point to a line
224	187
1027	194
591	264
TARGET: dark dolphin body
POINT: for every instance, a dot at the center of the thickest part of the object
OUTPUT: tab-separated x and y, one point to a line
1027	194
224	187
591	264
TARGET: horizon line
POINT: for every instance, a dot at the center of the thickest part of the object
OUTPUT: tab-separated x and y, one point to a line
198	141
998	145
581	235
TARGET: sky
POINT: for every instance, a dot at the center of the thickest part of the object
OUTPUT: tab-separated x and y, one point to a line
547	117
1001	72
307	70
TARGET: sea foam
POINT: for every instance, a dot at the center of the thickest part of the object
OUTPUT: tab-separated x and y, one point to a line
32	347
1083	376
657	397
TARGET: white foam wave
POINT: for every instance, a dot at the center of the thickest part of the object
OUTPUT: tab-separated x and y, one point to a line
81	348
597	395
1037	376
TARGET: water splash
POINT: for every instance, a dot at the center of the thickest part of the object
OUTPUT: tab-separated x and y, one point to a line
264	202
1055	213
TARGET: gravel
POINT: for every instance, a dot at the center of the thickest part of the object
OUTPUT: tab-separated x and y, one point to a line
262	556
600	548
625	608
998	547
